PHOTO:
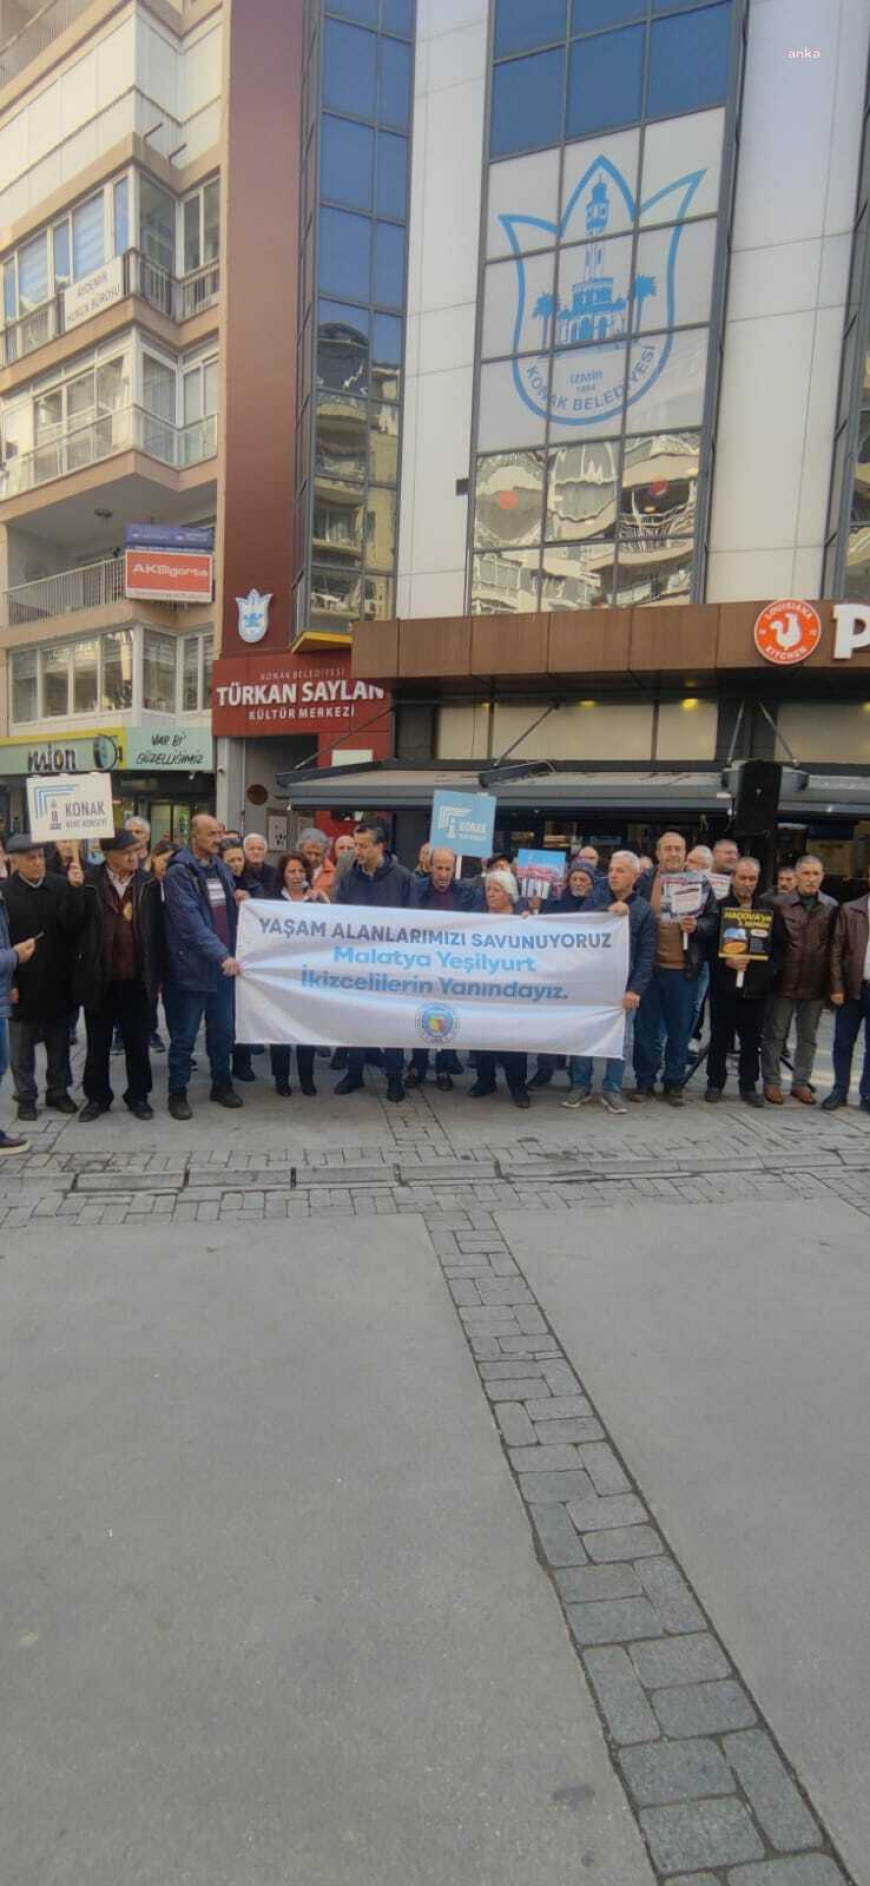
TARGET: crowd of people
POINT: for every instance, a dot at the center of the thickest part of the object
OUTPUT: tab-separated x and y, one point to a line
152	922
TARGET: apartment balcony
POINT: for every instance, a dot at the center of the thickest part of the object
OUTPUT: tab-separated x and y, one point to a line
129	429
179	297
71	592
45	25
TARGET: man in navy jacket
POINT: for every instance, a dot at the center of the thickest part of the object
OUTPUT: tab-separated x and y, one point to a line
618	892
201	920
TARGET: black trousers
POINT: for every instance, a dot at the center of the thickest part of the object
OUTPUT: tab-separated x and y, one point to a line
281	1058
127	1007
732	1014
515	1070
446	1062
23	1037
394	1063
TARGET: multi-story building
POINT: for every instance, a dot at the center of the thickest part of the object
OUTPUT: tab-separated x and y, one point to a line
521	346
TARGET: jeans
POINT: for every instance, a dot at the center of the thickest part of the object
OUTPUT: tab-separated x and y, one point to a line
849	1019
185	1009
807	1016
126	1006
663	1024
23	1037
4	1045
582	1067
732	1014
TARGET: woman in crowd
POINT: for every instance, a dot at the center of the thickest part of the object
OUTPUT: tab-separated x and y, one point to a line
314	847
232	853
502	896
581	882
294	881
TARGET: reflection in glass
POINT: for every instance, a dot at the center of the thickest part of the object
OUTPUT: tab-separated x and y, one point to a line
389	279
342	349
339	442
55	682
346	162
505	585
861	486
857	586
380	534
659	487
577	576
349	56
85	677
158	672
335	595
689	57
338	527
378	604
392	184
519	27
605	81
581	491
384	444
117	685
586	15
394	98
508	493
660	573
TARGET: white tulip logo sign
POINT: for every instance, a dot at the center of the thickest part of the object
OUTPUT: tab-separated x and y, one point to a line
609	304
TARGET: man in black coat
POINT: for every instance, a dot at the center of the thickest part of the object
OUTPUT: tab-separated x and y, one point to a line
51	908
375	880
117	973
739	989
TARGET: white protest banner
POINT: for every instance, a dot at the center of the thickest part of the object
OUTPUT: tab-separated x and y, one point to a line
355	978
72	806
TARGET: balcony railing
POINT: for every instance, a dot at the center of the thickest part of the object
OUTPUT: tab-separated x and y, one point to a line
39	32
65	594
131	428
177	296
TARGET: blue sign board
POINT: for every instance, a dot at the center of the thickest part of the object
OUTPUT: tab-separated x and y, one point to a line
169	537
465	821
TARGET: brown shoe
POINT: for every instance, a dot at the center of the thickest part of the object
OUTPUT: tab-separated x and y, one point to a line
775	1095
805	1095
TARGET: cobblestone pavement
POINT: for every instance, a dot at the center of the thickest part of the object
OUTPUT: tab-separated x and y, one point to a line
713	1794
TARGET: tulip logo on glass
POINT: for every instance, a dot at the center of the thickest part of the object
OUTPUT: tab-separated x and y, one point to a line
597	311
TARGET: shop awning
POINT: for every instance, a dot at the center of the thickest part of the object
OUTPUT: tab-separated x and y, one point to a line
391	785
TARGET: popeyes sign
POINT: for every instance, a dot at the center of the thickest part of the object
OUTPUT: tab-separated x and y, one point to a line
787	633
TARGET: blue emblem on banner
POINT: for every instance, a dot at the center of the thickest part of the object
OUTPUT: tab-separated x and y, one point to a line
603	310
437	1024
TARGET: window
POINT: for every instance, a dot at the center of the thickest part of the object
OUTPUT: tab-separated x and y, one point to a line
688	61
349	69
200	227
587	15
345	255
191	698
392	189
527	103
158	673
116	683
156	223
55	682
394	104
121	216
396	16
389	264
88	237
158	388
84	677
346	162
365	10
604	81
24	685
519	27
10	300
60	242
33	287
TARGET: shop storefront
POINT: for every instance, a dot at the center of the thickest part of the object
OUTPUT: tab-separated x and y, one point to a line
600	725
163	770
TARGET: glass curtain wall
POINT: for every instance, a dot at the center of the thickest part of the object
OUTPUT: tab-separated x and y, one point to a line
357	109
847	551
602	282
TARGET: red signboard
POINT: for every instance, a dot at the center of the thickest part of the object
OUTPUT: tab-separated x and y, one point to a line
168	576
298	694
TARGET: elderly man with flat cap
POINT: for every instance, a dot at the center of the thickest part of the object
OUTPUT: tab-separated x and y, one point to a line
117	973
44	905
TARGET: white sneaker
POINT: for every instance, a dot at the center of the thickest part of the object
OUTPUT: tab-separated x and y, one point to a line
613	1103
580	1098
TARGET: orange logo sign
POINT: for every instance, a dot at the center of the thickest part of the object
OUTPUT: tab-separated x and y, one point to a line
787	632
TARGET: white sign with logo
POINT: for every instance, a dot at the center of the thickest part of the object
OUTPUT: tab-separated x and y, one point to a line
346	975
70	808
253	615
93	293
169	745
